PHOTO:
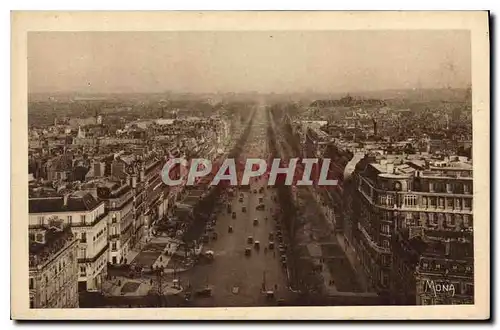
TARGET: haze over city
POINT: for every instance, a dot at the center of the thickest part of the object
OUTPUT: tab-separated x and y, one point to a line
280	62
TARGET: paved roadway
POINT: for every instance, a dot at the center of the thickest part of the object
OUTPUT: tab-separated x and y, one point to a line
231	268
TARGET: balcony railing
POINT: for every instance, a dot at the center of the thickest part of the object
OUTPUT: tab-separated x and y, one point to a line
93	223
372	243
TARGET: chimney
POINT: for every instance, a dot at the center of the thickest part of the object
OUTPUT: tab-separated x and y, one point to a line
65	198
390	168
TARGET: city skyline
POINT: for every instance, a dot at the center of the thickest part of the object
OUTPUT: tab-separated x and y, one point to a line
242	62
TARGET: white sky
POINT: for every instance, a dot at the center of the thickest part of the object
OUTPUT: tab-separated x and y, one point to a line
329	61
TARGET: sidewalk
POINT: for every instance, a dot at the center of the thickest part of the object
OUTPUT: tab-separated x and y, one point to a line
170	248
349	252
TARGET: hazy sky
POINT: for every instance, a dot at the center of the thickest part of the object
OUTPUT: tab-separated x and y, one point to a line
329	61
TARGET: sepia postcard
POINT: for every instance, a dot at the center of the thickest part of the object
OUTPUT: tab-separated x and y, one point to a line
250	165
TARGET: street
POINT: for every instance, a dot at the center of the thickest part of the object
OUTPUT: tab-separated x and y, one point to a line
237	279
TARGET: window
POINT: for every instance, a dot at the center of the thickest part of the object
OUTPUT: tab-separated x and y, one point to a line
32	283
433	221
385	229
82	218
467	203
467	188
450	221
441	219
424	201
469	289
70	219
432	201
113	246
386	260
41	219
385	244
83	270
410	200
466	221
84	237
441	202
113	218
32	303
423	218
449	203
457	203
83	253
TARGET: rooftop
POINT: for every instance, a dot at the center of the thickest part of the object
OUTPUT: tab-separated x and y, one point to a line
76	202
55	240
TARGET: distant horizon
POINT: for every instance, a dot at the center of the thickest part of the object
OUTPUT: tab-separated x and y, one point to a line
256	92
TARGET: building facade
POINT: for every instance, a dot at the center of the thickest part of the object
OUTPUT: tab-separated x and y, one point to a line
395	194
118	198
53	267
87	219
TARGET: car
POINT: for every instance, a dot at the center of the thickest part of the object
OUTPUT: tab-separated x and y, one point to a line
233	215
271	236
255	191
261	190
240	199
271	245
248	252
261	200
256	245
249	239
206	292
244	209
230	229
255	222
260	207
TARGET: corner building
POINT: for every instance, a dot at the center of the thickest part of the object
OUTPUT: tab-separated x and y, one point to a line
87	219
394	194
53	267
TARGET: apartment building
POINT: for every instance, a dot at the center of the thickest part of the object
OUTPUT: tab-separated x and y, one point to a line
53	266
87	218
118	198
432	267
393	192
